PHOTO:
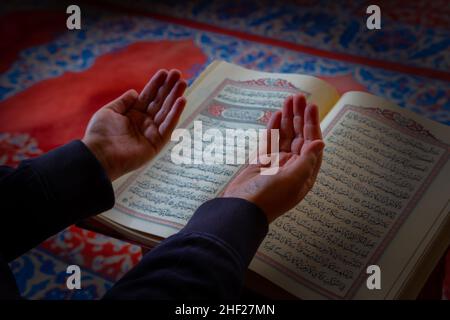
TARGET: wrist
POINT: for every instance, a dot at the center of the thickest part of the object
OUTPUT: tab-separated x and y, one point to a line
99	151
252	200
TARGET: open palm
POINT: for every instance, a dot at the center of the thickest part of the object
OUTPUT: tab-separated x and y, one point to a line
131	130
300	157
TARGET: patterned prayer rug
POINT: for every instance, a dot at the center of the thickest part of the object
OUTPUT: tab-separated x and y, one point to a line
52	80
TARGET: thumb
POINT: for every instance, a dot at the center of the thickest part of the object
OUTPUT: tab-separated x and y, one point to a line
306	165
123	103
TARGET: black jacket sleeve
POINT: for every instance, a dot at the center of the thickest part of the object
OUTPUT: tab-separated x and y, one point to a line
48	193
205	260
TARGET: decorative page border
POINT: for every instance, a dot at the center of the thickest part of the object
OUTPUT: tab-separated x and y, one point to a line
408	126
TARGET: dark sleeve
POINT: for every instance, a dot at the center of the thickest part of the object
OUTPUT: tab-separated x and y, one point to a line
205	260
48	193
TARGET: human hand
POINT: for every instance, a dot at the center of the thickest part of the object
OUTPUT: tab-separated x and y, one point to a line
131	130
300	157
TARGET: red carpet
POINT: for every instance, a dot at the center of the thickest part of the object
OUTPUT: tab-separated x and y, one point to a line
57	110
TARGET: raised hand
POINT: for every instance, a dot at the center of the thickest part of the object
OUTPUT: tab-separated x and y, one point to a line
300	154
131	130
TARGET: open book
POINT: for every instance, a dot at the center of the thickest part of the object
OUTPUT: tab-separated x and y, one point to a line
381	197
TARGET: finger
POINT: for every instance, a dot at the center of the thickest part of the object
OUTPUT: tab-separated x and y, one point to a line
151	89
317	148
318	164
163	91
299	114
274	123
123	103
176	92
152	134
284	158
170	122
312	130
286	129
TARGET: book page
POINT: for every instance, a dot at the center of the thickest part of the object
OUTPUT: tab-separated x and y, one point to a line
160	198
380	197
